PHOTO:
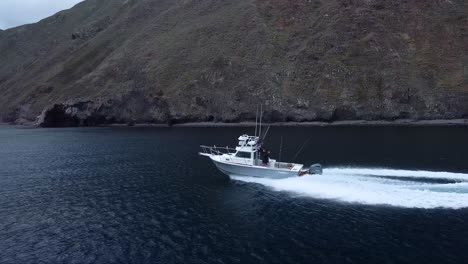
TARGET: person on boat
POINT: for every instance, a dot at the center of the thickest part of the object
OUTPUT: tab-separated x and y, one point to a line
265	156
260	154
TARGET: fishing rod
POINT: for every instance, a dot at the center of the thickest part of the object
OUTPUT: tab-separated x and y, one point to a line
266	133
280	150
302	147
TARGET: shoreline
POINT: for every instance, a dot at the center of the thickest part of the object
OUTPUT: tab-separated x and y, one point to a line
398	122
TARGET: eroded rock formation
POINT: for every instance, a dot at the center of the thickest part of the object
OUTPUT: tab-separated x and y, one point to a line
165	61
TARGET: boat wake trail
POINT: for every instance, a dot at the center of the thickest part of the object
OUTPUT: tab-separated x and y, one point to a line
401	188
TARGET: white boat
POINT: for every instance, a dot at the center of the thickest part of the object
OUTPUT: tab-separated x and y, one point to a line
245	160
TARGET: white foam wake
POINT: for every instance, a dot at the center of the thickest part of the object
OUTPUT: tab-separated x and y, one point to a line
359	185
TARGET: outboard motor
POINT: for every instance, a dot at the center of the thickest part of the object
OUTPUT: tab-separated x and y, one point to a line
315	169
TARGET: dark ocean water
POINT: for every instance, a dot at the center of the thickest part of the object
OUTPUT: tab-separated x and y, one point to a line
143	195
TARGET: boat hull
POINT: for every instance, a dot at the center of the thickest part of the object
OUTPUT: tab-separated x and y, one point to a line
253	171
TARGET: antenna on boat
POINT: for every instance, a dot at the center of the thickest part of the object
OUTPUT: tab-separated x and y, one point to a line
256	120
261	116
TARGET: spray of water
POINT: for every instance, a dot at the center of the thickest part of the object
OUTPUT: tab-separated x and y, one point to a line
377	187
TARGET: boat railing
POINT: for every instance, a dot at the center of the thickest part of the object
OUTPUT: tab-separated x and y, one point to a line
214	150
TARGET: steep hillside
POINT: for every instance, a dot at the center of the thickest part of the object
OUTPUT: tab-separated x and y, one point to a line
166	61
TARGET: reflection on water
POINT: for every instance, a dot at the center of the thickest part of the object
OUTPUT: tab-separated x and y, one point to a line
143	195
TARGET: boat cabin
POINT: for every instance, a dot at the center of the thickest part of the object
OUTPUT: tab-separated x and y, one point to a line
246	151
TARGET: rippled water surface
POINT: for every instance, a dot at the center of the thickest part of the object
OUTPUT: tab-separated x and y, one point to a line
143	195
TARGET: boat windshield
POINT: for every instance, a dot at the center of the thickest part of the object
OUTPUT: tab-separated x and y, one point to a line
243	154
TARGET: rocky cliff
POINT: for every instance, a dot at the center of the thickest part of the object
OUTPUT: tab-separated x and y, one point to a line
170	61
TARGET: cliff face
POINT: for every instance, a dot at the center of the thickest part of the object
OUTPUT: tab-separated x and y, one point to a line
166	61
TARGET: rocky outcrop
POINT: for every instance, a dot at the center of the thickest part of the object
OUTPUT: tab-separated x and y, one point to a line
164	61
129	109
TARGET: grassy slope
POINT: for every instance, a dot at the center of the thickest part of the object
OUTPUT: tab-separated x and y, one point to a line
198	60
